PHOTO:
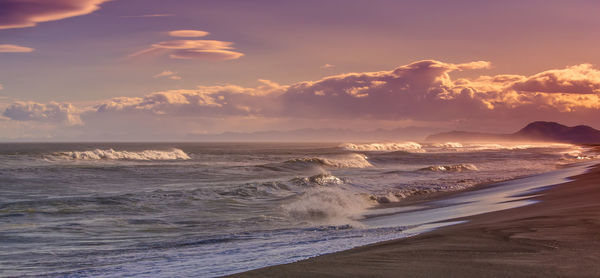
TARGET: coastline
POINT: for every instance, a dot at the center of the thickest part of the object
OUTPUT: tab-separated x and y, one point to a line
557	236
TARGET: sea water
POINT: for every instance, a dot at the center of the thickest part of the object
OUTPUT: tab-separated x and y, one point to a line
207	209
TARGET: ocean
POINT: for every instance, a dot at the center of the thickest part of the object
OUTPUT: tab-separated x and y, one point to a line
211	209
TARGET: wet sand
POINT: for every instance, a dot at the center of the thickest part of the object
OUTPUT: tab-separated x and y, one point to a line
559	236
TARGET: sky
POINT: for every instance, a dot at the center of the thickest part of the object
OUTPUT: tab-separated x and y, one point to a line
148	70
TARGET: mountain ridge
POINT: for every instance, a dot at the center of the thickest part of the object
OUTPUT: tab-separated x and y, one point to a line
541	131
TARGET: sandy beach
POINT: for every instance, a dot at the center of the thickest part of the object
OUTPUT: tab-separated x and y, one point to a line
558	236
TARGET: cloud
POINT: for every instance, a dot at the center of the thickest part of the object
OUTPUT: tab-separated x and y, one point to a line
201	54
188	33
168	74
53	112
193	49
27	13
11	48
327	66
421	91
209	101
579	79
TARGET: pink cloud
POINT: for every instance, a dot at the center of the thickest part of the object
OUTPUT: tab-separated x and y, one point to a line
11	48
168	74
215	55
53	112
20	13
194	49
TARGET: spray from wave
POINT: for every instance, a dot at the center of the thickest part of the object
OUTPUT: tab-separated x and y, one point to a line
110	154
385	147
331	205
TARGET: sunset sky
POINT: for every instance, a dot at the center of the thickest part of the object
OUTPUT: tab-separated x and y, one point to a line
155	69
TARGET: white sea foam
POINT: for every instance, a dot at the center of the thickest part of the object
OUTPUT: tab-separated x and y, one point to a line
448	145
353	160
578	154
111	154
385	147
320	179
474	147
451	168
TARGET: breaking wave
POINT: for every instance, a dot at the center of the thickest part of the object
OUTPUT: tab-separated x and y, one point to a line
448	145
320	179
578	154
451	168
385	147
458	147
332	205
353	160
110	154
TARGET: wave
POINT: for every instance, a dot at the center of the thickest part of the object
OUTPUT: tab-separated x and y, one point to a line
450	168
385	147
448	145
110	154
458	147
320	179
353	160
331	205
577	154
274	189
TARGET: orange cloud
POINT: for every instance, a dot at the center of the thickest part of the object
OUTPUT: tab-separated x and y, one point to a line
11	48
20	14
188	33
579	79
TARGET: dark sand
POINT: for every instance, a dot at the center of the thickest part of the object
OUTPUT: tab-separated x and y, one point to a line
559	236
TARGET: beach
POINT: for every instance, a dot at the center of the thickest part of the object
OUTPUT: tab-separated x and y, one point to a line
557	236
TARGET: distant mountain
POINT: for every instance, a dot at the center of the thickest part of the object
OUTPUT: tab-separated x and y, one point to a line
536	131
319	135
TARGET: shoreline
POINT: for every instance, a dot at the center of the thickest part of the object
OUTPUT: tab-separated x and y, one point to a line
521	241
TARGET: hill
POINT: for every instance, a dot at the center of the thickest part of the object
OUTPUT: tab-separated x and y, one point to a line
535	131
